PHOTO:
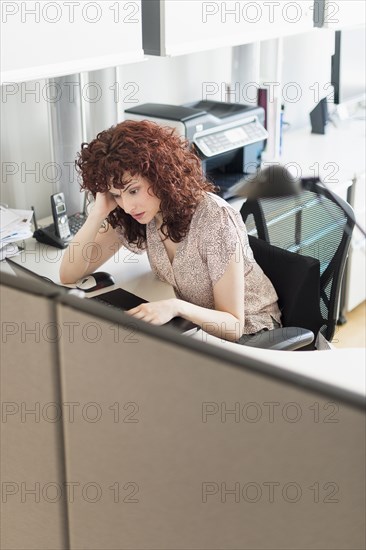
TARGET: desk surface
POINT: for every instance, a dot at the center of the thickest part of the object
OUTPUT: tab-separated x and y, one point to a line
337	156
130	271
341	368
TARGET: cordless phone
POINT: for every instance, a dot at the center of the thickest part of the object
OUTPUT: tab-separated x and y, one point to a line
58	234
60	219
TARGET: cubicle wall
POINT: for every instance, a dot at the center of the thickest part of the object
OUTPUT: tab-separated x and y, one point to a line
169	443
32	450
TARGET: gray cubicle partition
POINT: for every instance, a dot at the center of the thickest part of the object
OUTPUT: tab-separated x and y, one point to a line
32	449
170	443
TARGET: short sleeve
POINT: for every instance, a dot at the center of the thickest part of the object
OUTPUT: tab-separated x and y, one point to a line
220	239
130	246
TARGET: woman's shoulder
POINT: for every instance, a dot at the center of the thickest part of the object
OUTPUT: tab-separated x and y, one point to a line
212	207
211	203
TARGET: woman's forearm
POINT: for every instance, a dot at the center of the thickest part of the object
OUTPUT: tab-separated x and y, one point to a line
218	323
83	252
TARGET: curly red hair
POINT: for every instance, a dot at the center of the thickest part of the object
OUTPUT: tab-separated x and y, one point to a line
158	154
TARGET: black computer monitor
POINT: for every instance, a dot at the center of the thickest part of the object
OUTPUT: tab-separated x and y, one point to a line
348	65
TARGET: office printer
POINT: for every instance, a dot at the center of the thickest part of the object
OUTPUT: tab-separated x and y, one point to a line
229	137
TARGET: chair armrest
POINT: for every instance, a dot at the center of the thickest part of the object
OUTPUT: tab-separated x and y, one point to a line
282	339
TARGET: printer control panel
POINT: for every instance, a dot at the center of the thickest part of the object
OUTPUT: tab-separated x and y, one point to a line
222	139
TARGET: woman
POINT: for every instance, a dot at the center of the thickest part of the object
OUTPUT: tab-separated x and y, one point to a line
151	194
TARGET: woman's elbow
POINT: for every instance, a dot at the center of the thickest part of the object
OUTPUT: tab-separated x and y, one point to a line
234	333
64	278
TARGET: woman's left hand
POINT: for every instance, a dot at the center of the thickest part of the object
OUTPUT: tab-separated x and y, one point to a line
156	313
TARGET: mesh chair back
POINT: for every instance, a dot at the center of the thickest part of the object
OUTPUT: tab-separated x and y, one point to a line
310	224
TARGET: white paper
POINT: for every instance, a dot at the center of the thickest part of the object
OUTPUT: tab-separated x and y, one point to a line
15	225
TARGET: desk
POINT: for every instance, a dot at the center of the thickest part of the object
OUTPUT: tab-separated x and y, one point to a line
130	271
339	368
336	157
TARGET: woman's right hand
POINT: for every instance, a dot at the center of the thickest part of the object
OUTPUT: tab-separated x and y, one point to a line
104	204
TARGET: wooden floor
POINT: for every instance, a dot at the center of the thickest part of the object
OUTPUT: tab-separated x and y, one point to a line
353	333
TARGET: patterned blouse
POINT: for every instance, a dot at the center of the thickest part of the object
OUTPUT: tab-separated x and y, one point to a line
201	259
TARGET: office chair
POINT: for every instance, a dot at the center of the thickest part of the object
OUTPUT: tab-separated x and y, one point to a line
301	242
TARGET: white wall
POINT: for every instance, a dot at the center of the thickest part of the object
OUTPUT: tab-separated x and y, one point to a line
25	146
25	132
306	74
175	80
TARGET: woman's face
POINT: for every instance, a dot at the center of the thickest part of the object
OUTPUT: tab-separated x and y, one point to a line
137	199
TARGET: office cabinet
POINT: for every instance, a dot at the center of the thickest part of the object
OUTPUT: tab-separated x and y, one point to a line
175	27
43	40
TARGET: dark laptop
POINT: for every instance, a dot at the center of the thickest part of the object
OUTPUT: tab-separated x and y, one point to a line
118	299
122	299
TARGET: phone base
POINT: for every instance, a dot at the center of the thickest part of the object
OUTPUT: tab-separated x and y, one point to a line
47	236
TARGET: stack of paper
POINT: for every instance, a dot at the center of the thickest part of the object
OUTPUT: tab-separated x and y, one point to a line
15	225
